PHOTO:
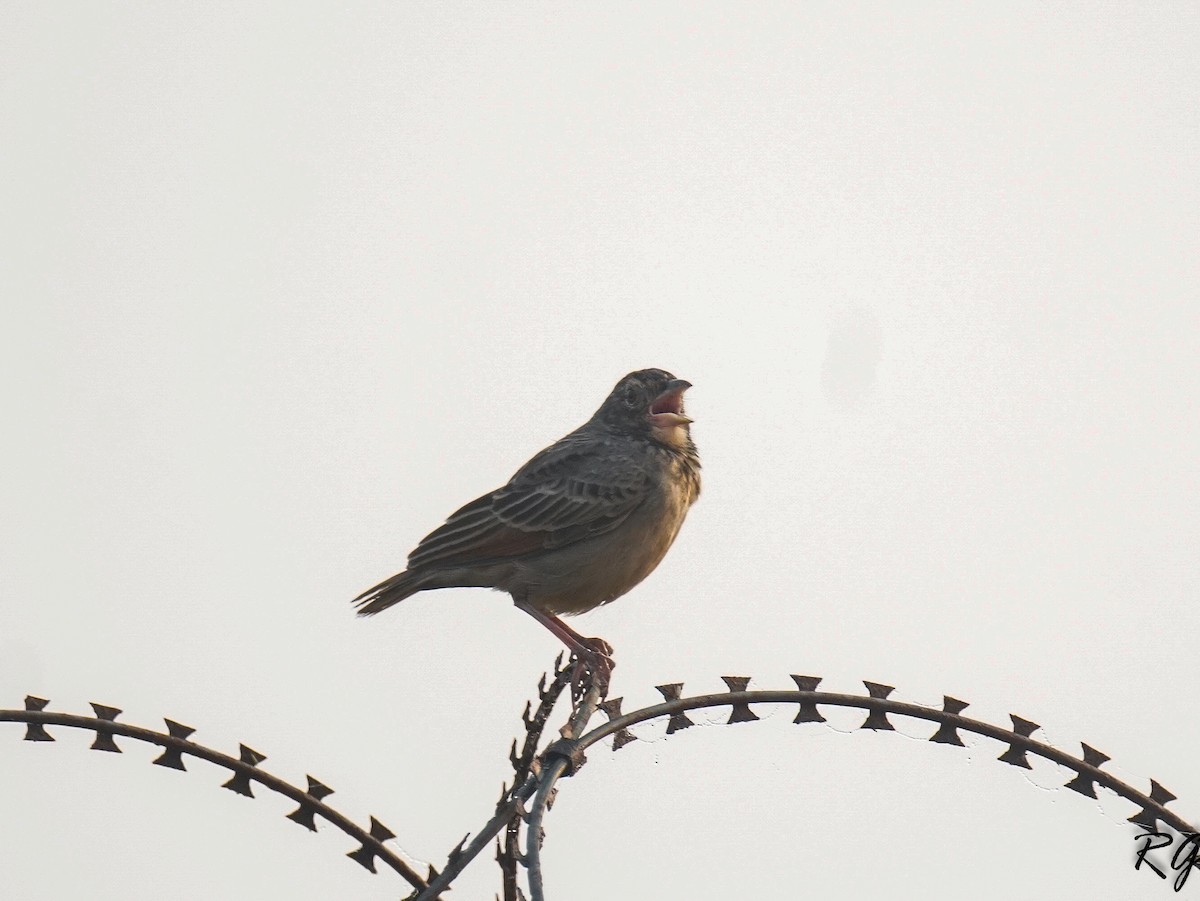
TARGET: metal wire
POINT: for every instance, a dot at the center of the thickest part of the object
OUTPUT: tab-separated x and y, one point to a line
1151	807
537	777
557	761
244	768
510	807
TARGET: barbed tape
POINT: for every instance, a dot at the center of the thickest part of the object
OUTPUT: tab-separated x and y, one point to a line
536	776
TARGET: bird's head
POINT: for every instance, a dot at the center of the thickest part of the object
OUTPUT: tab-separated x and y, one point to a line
649	402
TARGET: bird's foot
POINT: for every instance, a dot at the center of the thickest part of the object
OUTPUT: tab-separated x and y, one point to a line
592	665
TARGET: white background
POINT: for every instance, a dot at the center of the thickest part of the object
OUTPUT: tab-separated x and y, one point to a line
285	284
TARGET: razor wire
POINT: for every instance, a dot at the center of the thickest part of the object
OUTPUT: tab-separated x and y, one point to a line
536	775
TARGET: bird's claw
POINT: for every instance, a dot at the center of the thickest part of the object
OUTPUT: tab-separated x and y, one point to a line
600	647
592	665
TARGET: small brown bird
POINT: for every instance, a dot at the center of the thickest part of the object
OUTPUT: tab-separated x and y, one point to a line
579	525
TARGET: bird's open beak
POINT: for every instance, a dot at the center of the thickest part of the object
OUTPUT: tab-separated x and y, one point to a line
667	409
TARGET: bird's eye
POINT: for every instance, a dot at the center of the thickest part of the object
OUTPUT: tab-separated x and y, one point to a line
632	396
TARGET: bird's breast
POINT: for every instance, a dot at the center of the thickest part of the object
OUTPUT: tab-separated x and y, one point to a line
585	575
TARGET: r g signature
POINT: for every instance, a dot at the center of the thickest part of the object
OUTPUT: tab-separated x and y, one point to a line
1185	856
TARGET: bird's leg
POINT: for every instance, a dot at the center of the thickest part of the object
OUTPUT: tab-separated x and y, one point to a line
581	645
592	655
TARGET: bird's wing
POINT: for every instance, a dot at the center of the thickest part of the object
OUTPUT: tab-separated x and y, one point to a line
571	491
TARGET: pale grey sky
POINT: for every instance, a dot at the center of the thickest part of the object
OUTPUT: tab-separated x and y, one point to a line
284	284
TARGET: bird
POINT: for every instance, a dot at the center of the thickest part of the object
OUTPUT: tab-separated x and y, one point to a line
579	525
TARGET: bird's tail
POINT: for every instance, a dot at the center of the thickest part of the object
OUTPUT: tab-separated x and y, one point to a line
385	594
